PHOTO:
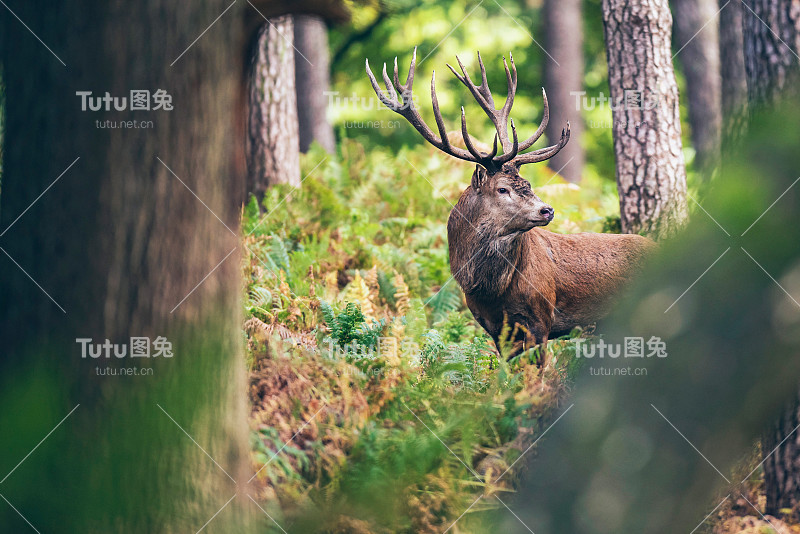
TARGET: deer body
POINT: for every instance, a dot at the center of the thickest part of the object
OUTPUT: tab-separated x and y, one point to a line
544	283
541	283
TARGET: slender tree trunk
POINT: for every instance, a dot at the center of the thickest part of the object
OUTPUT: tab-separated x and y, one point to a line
651	176
772	75
110	250
272	131
734	79
697	48
563	75
312	75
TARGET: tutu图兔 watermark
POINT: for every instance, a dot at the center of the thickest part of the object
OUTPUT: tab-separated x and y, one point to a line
632	347
136	100
355	105
386	347
355	102
632	99
137	347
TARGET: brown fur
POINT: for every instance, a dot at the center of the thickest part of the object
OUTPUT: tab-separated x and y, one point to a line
541	282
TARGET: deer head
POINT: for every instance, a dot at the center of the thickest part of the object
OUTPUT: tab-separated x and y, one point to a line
501	199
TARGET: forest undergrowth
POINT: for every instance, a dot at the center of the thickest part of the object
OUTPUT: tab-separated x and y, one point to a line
378	404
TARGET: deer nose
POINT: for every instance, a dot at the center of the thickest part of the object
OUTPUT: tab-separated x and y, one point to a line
547	212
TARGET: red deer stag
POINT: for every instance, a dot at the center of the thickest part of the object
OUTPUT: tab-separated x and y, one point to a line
542	283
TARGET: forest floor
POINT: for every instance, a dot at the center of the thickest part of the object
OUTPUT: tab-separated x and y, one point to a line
377	402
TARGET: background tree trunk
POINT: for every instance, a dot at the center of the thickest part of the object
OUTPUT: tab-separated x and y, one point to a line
651	176
734	79
312	75
117	242
772	75
697	48
272	142
563	36
771	65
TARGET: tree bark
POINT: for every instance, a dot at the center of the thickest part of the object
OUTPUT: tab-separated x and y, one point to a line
273	155
697	47
312	75
771	44
782	468
118	246
331	10
563	36
772	74
734	79
651	175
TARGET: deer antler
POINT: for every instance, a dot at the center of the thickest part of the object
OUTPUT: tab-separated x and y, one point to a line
404	105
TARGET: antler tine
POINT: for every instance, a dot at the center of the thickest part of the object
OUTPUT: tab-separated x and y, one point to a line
484	87
397	75
389	85
512	85
540	130
437	114
467	140
544	153
500	160
501	115
412	69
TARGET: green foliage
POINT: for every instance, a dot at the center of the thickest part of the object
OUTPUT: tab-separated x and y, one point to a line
612	224
457	326
265	442
350	325
433	348
260	303
445	301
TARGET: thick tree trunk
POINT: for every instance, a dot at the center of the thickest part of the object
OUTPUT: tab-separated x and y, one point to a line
697	48
781	468
312	75
115	247
771	44
734	79
651	176
772	75
272	138
563	35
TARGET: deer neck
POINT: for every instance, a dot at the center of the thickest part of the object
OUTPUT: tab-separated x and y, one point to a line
483	264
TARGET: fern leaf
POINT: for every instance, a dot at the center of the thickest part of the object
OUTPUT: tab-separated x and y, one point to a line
401	295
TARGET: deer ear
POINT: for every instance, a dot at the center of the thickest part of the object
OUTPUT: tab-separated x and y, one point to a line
478	178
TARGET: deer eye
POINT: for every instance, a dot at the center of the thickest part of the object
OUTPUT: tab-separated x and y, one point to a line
503	191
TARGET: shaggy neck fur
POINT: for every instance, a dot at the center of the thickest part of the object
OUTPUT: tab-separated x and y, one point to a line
481	262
